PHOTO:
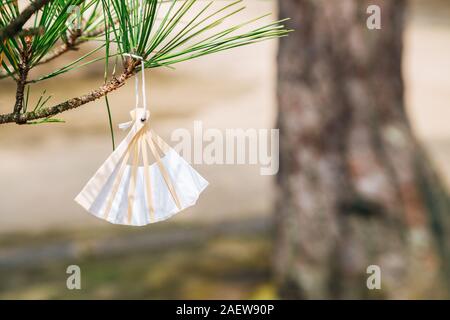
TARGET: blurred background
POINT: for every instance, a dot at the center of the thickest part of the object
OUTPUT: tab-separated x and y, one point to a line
222	247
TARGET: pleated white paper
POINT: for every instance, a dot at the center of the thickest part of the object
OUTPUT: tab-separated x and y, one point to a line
128	190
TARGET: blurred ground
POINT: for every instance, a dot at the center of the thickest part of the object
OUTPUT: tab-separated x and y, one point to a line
172	262
43	168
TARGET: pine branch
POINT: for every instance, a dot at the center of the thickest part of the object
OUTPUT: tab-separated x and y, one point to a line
17	24
74	41
113	84
21	82
31	32
72	44
24	68
138	31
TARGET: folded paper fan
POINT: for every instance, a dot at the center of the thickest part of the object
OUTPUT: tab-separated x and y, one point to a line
143	181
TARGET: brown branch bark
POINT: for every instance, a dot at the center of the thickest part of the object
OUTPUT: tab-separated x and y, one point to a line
113	84
22	81
17	24
24	68
31	32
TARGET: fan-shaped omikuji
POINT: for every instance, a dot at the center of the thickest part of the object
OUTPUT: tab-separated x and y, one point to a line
129	189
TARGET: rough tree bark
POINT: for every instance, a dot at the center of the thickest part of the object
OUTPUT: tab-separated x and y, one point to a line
355	188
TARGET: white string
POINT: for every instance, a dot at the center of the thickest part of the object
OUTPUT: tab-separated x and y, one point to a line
136	91
144	96
126	125
136	87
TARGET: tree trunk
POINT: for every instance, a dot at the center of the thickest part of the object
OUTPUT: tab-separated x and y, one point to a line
355	188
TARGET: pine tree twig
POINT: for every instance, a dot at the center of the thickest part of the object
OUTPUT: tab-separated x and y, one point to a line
31	32
113	84
73	43
17	24
134	34
24	68
21	83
